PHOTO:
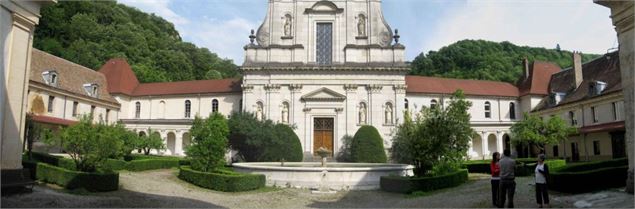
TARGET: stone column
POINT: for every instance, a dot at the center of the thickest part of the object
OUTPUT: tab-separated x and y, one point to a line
295	90
398	107
272	107
499	141
484	144
248	91
351	110
623	16
178	143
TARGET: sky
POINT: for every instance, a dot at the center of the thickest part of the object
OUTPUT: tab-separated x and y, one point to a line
223	25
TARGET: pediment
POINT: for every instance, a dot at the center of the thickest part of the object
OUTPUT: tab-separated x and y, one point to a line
324	7
323	94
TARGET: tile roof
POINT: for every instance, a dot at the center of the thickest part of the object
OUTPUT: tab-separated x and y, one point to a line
605	69
71	77
537	83
52	120
189	87
433	85
121	78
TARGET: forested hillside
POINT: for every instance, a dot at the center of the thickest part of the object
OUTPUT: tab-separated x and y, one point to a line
91	32
486	60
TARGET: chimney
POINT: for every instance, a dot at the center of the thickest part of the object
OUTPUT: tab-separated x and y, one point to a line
577	69
526	66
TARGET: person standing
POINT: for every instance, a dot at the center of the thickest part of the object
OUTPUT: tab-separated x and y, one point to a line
507	180
542	171
495	170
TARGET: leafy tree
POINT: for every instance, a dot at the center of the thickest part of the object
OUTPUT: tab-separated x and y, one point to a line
209	143
130	140
91	32
437	139
536	131
151	142
344	154
263	141
368	146
88	144
486	60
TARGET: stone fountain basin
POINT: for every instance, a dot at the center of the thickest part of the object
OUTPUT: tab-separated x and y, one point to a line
339	176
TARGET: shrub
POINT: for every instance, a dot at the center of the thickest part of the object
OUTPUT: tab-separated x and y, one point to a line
151	164
88	144
434	136
263	141
222	181
150	142
53	160
407	185
209	143
594	175
344	154
368	146
101	182
524	167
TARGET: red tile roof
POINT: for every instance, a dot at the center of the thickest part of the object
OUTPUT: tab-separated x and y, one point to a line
433	85
121	79
52	120
189	87
537	83
602	127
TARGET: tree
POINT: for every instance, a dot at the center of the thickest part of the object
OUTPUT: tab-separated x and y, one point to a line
88	144
436	138
368	146
344	154
130	140
151	142
532	129
209	143
263	141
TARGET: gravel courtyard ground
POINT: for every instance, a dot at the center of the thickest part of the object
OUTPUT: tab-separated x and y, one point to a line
161	189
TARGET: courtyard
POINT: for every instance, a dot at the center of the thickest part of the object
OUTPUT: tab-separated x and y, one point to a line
162	189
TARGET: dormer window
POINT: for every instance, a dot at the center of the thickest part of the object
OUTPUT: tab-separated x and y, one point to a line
556	97
92	89
596	88
50	77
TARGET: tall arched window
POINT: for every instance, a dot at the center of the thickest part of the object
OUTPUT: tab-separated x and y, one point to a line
215	105
488	110
188	108
512	111
572	118
406	104
433	104
137	113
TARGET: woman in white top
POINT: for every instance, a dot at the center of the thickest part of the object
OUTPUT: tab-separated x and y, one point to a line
542	171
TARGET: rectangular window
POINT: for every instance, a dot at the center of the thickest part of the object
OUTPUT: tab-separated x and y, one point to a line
593	115
324	44
75	106
51	102
614	105
596	147
107	114
556	151
92	112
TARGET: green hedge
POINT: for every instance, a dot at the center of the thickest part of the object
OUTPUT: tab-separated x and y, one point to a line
368	146
69	179
407	185
591	176
143	164
51	159
224	181
525	166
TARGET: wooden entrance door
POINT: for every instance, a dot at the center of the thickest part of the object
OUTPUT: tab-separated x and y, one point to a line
323	134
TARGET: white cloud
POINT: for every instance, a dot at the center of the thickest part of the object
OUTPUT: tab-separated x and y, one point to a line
575	25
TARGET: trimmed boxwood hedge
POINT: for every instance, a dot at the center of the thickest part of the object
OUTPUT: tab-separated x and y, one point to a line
407	185
101	182
368	146
591	176
525	166
58	161
223	181
138	163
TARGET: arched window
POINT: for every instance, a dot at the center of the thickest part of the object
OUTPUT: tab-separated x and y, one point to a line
433	104
512	111
215	105
137	113
188	108
406	104
572	118
488	110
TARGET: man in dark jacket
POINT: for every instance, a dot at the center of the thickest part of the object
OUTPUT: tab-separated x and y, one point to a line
507	182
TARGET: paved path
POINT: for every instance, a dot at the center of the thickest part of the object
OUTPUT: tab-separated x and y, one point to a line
161	189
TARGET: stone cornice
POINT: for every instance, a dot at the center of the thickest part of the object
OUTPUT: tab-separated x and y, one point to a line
374	88
247	88
398	69
72	95
400	89
295	88
272	87
158	121
350	88
274	46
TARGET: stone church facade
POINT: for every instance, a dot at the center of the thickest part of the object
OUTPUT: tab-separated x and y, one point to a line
326	68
